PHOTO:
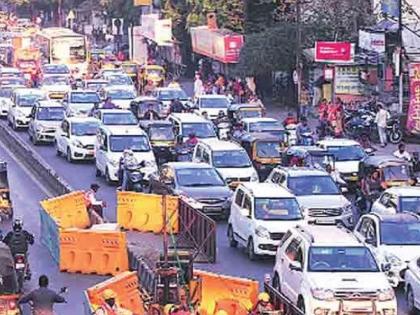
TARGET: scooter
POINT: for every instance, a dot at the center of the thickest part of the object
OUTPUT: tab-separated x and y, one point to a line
135	178
22	269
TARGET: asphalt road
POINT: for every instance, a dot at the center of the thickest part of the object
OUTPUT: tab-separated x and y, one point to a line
80	176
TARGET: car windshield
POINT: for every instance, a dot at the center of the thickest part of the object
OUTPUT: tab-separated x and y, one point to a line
172	94
262	126
84	128
201	130
277	209
410	204
347	153
55	69
55	80
249	113
341	259
320	160
119	80
231	159
121	95
6	92
95	85
268	149
219	102
50	113
162	133
13	81
29	99
400	233
198	177
84	98
135	143
397	173
119	119
313	185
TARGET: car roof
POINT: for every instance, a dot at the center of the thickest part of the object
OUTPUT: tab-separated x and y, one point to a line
400	217
25	90
115	88
338	142
221	145
186	165
295	171
259	119
145	98
377	160
405	191
49	103
189	117
84	91
114	111
76	119
267	190
212	96
321	235
124	130
261	136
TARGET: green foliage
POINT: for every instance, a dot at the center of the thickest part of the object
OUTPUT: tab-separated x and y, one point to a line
258	15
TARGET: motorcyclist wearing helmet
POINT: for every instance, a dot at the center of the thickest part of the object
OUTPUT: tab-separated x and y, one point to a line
129	162
18	239
263	304
110	306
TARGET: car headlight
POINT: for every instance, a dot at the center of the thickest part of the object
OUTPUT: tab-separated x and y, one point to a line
77	143
262	232
323	294
386	294
254	177
393	260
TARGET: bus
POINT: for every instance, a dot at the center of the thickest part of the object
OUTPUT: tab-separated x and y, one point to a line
63	46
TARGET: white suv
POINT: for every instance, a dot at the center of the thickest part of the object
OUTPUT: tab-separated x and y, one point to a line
318	195
326	270
393	238
412	286
260	215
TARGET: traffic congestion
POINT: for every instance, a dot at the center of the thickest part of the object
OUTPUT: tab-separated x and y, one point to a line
311	214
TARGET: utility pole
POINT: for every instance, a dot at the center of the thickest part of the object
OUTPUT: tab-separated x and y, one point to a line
400	59
298	55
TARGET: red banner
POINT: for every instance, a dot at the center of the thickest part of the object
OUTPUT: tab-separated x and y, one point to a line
413	115
332	51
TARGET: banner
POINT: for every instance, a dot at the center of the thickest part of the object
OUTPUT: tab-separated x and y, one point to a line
159	31
372	41
333	51
413	115
347	81
142	2
390	8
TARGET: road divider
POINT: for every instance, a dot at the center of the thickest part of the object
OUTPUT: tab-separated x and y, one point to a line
145	212
54	184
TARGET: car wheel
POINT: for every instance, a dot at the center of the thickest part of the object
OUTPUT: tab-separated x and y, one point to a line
69	158
250	250
410	302
108	177
9	123
14	125
276	282
33	139
301	305
231	237
57	150
98	172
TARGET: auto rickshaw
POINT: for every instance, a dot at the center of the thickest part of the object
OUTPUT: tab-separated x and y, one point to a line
9	289
141	105
162	138
132	70
6	208
154	73
236	112
265	151
393	172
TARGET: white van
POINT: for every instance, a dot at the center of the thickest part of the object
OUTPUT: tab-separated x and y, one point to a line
212	104
110	144
187	123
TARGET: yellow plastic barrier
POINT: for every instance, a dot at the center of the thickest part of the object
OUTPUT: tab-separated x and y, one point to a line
126	286
144	212
69	211
218	292
91	251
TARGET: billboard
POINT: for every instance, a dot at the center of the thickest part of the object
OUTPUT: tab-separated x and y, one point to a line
333	51
413	115
157	30
372	41
347	81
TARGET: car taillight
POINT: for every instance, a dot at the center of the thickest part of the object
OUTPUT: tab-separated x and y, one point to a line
20	259
12	305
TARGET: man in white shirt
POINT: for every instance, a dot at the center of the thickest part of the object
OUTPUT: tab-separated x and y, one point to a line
198	86
381	119
401	153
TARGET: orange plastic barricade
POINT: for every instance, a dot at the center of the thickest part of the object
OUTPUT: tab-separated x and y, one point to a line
69	211
218	292
144	212
91	251
126	286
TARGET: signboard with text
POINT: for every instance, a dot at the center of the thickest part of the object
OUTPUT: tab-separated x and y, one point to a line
372	41
347	81
333	51
413	115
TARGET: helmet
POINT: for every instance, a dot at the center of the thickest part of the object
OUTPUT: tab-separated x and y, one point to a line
221	312
264	297
109	294
221	114
17	225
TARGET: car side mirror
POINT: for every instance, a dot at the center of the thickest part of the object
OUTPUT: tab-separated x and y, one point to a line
386	267
344	189
371	241
295	266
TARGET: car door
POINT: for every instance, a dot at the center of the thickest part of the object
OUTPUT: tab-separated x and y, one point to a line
235	209
101	151
289	277
244	220
380	205
206	156
31	127
198	153
60	136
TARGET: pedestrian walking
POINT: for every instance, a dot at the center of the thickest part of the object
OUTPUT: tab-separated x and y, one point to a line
381	121
198	86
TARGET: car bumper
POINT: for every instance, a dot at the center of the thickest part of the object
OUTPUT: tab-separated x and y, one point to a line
352	307
82	153
22	121
265	246
214	210
345	219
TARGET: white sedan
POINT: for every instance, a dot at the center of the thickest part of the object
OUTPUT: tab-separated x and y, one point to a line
412	286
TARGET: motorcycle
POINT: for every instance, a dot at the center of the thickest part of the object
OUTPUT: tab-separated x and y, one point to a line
135	178
22	269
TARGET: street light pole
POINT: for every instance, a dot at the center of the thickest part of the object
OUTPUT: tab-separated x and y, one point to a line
298	55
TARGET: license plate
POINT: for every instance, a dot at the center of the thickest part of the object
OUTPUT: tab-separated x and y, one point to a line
359	307
352	178
20	266
326	221
91	152
213	209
